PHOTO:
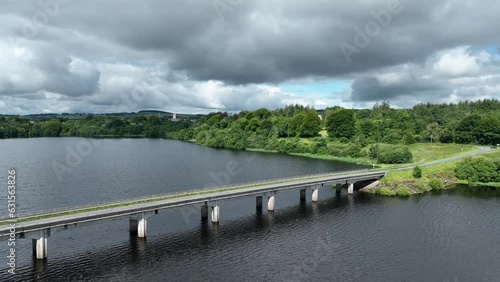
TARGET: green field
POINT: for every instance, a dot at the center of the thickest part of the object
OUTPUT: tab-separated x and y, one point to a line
426	152
443	171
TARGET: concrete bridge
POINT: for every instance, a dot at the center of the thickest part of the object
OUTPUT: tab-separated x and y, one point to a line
39	227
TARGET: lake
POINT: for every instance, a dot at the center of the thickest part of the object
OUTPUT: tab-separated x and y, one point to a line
448	236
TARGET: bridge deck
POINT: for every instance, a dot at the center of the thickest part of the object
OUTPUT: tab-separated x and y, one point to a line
130	208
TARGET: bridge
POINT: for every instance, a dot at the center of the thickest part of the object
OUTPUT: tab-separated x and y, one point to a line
38	227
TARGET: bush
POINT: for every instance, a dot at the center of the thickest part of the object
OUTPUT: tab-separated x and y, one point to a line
394	154
373	151
385	191
478	169
421	186
403	191
417	172
435	184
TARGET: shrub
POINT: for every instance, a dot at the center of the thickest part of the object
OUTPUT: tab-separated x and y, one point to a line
421	187
478	169
373	151
394	154
335	149
385	191
374	191
353	150
435	184
417	172
403	191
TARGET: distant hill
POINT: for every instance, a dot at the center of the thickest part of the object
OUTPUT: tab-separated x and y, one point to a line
161	114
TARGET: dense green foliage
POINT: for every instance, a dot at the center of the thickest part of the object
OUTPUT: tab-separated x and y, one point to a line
380	134
417	172
341	123
435	184
403	191
393	154
478	169
421	186
385	191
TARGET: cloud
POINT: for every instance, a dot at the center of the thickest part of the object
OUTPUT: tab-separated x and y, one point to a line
451	75
97	56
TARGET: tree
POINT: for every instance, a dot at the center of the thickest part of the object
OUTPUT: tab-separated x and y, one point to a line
417	172
488	130
341	123
466	129
477	169
391	154
433	132
51	128
310	126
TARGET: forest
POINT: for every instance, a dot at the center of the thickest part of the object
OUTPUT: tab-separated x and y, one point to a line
379	133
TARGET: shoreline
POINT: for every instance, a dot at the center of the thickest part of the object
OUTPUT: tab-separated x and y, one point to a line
442	173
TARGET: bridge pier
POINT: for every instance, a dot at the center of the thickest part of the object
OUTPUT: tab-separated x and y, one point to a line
204	212
258	202
350	189
215	214
315	194
139	225
40	245
302	195
270	203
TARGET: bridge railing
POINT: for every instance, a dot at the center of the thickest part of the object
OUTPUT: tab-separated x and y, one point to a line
177	193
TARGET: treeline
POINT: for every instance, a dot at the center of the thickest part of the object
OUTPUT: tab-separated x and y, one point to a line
294	129
90	126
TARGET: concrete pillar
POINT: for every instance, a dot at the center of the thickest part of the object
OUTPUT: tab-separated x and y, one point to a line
315	194
270	203
204	212
258	202
350	190
142	228
215	214
302	195
338	188
40	247
138	226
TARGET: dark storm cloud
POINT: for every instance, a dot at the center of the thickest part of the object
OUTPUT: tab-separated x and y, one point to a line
260	41
97	51
371	89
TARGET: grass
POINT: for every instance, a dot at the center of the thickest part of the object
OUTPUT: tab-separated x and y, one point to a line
386	191
403	191
425	152
433	176
261	150
360	161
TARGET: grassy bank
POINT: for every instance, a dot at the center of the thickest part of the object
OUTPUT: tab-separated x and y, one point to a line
443	173
422	153
359	161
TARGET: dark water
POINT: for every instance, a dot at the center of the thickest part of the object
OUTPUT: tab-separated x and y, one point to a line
451	236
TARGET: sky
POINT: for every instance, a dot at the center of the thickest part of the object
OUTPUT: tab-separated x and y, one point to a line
201	56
